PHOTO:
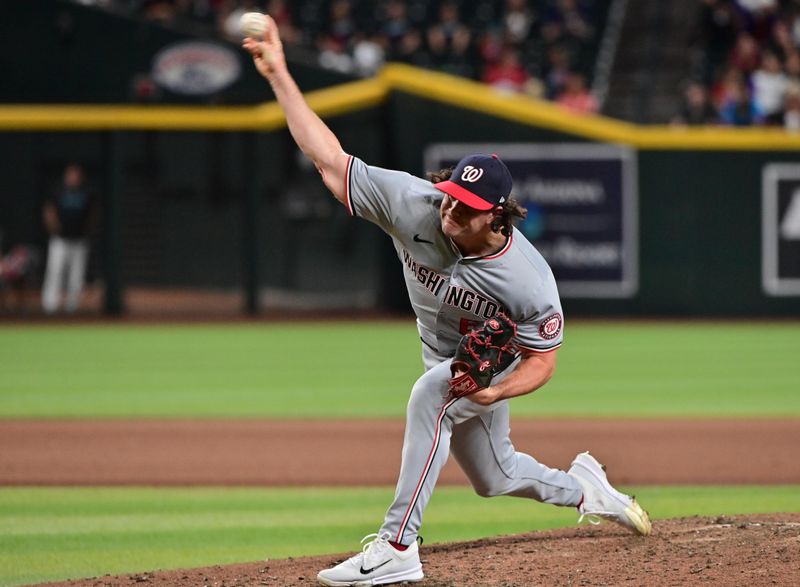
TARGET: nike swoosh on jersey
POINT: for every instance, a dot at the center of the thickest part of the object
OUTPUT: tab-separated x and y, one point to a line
417	239
376	567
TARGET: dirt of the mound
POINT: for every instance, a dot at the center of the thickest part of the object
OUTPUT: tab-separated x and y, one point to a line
320	452
736	551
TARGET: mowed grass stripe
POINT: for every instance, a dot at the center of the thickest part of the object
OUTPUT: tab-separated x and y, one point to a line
362	370
56	533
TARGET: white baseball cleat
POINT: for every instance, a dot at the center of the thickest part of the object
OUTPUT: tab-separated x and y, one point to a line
379	563
601	500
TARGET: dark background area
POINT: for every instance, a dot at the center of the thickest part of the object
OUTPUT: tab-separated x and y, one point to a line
241	211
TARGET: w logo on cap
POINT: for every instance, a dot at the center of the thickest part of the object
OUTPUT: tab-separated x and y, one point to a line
471	174
479	181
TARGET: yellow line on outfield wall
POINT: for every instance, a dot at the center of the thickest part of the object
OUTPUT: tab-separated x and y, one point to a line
439	87
265	117
474	96
478	97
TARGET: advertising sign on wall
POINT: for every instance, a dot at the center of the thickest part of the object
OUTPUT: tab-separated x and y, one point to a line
196	68
780	215
582	209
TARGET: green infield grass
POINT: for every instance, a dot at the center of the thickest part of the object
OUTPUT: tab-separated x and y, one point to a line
56	533
363	370
366	370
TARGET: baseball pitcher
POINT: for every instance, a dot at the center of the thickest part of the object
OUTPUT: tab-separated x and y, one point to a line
490	322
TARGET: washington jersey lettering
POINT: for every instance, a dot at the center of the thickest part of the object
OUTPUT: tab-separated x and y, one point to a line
447	290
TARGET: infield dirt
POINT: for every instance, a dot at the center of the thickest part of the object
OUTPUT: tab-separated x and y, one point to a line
742	550
280	453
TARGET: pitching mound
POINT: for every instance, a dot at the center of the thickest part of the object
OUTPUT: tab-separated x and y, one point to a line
740	550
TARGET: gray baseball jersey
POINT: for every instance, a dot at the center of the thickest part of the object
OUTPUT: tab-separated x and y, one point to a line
451	293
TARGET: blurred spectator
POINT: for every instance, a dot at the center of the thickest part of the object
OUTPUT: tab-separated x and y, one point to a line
17	271
449	41
395	25
756	5
746	54
759	16
491	44
726	85
696	108
355	37
518	21
781	42
793	21
739	108
411	49
162	11
514	29
576	97
68	217
368	56
792	67
336	43
556	72
791	115
279	11
187	12
332	55
535	88
750	85
718	28
566	21
508	74
341	27
769	88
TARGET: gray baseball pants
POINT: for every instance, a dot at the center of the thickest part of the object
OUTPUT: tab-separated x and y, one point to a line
478	437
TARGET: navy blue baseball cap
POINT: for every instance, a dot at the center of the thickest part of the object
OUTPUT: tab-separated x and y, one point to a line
480	181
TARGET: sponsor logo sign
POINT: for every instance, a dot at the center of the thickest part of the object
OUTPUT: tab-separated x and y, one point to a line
582	207
780	222
195	68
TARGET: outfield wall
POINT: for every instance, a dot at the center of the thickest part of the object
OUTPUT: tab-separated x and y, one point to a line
700	206
221	192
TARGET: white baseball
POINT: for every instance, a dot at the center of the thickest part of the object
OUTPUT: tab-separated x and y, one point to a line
253	24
